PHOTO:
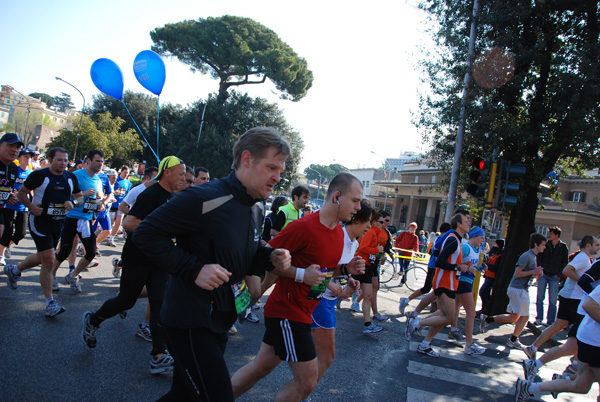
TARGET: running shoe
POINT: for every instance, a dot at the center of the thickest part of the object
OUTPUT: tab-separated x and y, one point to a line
55	286
116	263
529	352
144	333
2	261
522	390
483	323
371	329
515	345
355	307
427	351
98	254
93	263
529	369
11	278
250	316
7	252
455	336
557	376
409	330
161	363
80	252
111	243
380	317
74	282
88	332
403	303
537	322
474	349
233	330
53	309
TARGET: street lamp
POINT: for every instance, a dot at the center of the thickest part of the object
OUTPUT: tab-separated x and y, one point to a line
320	177
80	119
387	179
28	110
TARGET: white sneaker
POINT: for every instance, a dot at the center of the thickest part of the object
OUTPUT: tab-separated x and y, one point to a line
55	286
74	282
515	345
93	263
474	349
233	330
2	261
116	263
7	252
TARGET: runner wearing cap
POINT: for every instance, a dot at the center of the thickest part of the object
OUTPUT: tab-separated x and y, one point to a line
139	270
10	144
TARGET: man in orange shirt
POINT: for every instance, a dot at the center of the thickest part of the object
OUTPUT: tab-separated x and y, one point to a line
407	240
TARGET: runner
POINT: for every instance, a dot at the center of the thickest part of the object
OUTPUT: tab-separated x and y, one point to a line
217	226
323	317
15	215
10	144
385	240
139	270
121	188
445	284
53	188
315	242
518	308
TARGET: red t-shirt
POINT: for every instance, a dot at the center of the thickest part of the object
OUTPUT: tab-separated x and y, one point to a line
309	242
367	248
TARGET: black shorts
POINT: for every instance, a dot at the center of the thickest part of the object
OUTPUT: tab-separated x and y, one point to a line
443	291
575	327
567	309
588	354
370	272
464	287
45	232
292	340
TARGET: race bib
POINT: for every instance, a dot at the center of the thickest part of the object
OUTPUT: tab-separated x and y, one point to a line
316	292
57	210
4	195
372	258
241	296
90	205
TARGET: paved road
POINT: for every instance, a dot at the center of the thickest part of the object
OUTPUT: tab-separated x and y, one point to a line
44	359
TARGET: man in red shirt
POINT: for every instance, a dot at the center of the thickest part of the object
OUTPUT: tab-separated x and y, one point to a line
316	243
407	240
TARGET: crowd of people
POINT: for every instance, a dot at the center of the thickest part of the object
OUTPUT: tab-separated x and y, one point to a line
204	254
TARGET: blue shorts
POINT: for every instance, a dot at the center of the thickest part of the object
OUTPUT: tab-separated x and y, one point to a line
464	287
104	221
324	315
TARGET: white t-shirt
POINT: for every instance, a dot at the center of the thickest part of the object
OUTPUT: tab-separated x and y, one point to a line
132	195
350	247
571	290
589	328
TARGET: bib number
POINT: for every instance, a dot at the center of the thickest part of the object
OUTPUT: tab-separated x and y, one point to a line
316	292
4	195
90	205
57	210
241	296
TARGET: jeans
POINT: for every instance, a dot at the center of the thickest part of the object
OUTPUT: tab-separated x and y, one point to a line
550	282
486	291
404	263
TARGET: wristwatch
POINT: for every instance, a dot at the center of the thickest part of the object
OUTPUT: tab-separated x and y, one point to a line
75	202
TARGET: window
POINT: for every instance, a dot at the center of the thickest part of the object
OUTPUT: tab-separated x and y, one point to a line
497	226
416	179
576	196
433	179
368	182
543	230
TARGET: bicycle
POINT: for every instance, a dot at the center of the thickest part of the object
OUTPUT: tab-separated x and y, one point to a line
415	274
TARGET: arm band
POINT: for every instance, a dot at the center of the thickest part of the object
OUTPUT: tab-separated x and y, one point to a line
344	269
300	275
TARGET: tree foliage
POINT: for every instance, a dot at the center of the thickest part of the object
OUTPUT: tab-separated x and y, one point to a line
47	99
104	133
63	102
546	112
236	51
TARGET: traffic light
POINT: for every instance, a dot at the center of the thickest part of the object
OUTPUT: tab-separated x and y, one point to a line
509	186
478	177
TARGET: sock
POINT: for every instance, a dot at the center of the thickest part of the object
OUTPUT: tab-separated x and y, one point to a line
538	364
145	324
534	388
367	323
109	238
513	338
71	269
489	320
415	314
533	348
425	345
453	329
49	300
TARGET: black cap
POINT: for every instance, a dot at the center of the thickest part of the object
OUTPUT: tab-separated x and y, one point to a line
25	151
12	138
79	161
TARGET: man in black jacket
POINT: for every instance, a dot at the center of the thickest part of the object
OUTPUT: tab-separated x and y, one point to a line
553	260
216	227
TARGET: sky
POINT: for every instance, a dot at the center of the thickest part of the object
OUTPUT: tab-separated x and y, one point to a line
363	55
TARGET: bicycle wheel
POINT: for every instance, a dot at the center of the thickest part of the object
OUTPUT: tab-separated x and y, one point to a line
387	270
415	277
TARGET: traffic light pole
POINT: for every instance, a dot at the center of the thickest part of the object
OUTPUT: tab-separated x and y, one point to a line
494	169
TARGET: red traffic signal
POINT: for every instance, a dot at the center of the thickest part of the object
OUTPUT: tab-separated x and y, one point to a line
479	163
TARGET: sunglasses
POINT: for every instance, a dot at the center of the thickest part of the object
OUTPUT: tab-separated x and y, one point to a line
381	222
190	181
387	220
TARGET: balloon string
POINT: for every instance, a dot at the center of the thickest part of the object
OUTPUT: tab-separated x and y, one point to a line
157	125
142	134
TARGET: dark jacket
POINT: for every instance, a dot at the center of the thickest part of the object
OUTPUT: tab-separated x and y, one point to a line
554	258
217	222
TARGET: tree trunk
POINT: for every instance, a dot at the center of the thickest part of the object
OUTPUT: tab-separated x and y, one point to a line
520	227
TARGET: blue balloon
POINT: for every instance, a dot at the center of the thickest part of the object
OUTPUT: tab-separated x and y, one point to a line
108	77
149	69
